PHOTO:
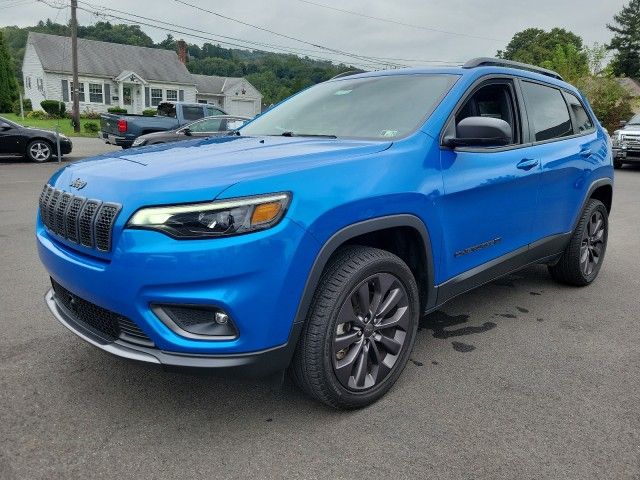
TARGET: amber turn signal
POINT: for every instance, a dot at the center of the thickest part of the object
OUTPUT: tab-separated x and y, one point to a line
265	212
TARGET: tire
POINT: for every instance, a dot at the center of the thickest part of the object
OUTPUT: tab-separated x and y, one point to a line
617	163
376	347
583	257
39	151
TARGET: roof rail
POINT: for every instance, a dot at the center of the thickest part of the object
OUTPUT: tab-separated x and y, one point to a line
498	62
346	74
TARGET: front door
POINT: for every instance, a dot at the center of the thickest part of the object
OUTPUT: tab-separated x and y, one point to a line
490	193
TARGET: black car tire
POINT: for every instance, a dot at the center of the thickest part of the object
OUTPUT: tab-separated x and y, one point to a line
39	151
571	269
315	364
617	163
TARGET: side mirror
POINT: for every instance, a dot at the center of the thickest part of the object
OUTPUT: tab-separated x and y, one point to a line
480	132
622	123
186	131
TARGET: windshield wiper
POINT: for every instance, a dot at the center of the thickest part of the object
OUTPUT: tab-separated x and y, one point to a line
293	134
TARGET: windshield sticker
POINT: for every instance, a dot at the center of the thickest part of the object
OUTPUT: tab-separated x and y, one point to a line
389	133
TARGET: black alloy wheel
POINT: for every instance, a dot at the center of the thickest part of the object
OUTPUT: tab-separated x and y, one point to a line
371	332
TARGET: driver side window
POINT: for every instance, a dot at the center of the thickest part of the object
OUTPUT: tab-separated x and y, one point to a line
493	101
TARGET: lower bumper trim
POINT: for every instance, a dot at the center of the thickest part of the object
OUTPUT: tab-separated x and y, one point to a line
255	364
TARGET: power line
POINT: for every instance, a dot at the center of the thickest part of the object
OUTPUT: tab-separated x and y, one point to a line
397	22
289	37
201	37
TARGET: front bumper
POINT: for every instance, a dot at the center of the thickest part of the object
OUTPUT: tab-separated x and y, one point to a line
256	364
256	278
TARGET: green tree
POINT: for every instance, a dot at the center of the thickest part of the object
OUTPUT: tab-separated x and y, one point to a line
626	40
8	84
608	99
535	45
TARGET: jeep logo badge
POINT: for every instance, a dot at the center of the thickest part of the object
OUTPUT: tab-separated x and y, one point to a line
78	184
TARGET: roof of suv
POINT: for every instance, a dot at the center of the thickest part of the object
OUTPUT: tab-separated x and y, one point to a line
476	67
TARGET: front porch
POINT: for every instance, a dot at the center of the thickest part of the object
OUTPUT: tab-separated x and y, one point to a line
131	92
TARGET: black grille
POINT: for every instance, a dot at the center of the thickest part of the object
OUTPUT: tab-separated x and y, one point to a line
109	324
87	222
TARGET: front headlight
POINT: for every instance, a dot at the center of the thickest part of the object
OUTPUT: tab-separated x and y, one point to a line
214	219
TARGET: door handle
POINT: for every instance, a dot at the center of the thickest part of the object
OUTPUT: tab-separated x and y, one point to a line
528	163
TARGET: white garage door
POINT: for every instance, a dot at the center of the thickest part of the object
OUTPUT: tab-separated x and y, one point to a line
242	107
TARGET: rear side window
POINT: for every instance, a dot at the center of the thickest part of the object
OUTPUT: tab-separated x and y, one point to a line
547	112
581	118
192	113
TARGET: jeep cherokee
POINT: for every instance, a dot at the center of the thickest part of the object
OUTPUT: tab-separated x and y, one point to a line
315	237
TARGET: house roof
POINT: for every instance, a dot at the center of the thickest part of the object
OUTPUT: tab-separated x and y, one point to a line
213	85
632	86
109	59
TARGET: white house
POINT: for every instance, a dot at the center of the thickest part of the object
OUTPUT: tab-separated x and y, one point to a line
127	76
234	95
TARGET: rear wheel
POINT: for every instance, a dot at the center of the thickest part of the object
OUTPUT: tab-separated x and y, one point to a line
583	257
39	151
360	329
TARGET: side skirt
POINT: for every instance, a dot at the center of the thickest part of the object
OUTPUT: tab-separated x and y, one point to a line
546	250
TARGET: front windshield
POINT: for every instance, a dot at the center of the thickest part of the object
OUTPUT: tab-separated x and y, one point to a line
382	107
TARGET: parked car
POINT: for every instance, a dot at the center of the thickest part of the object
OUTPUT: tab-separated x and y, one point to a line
122	130
207	127
33	143
626	142
318	236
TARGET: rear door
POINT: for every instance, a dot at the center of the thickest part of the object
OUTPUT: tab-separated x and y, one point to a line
566	143
489	200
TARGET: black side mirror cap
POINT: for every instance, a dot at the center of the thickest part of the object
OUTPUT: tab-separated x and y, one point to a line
187	132
480	132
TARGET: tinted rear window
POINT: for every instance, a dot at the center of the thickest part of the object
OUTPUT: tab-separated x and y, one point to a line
192	113
582	120
547	112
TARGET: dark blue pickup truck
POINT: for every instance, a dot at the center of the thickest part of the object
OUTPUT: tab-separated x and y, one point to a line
123	129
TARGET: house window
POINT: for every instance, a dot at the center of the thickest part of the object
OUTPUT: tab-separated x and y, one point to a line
80	91
156	97
27	82
95	93
172	95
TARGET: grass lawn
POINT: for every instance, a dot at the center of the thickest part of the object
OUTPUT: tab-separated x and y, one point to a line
50	124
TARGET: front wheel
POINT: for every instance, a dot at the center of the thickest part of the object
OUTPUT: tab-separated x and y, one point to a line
583	257
39	151
360	329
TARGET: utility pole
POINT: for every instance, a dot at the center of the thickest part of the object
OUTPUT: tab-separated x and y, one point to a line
75	112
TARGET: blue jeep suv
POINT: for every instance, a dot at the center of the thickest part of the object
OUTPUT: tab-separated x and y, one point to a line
315	237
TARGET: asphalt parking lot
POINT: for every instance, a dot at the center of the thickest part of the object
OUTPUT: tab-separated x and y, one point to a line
521	378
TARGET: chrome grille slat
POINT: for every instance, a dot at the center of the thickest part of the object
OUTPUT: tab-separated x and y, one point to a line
86	222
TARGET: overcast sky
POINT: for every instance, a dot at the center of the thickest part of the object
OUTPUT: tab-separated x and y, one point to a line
488	25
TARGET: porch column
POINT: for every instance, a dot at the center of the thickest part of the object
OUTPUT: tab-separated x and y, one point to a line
121	95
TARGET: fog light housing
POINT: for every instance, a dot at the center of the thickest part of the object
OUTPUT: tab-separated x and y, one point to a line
200	322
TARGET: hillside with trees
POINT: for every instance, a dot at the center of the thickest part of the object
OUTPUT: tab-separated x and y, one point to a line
276	75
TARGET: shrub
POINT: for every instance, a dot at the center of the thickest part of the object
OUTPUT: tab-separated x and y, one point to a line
91	127
150	112
37	115
26	106
117	110
90	114
54	108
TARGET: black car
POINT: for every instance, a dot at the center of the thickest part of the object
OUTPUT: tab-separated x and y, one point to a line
206	127
35	144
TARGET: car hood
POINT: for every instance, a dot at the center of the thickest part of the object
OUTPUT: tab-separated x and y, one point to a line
635	129
149	136
32	132
199	170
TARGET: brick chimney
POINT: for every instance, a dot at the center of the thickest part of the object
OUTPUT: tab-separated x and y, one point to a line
182	51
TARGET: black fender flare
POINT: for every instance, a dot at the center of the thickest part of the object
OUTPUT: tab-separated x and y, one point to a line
601	182
347	233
